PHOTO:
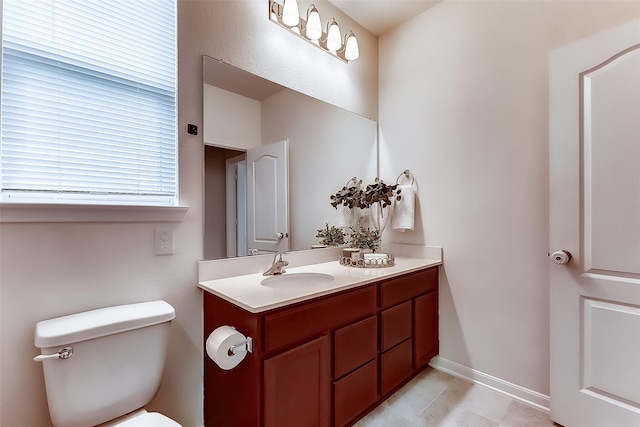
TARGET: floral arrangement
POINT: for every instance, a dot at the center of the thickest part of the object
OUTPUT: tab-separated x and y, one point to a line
354	196
331	236
364	238
349	195
357	237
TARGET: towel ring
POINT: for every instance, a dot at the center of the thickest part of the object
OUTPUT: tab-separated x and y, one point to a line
407	175
354	180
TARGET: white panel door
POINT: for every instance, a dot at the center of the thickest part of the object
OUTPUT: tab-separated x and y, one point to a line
241	209
267	197
236	206
594	145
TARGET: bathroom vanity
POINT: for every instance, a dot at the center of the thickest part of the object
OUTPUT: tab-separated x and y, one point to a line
325	358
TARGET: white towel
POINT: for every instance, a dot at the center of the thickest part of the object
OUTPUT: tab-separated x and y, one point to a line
403	214
347	217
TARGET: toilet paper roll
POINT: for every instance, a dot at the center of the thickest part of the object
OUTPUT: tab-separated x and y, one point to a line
219	345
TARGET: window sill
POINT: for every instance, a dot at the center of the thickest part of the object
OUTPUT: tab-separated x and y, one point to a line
42	212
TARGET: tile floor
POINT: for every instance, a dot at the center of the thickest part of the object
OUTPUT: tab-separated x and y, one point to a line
437	399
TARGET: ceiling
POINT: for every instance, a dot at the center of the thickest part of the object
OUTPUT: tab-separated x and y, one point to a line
381	16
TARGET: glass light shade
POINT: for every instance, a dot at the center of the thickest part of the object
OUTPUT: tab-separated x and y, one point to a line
314	26
334	41
290	13
351	50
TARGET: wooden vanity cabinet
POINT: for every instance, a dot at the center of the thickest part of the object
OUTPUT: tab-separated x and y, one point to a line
326	361
297	386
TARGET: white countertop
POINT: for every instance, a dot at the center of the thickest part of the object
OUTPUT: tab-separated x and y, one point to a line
247	292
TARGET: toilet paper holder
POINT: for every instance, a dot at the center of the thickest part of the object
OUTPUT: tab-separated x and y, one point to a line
247	346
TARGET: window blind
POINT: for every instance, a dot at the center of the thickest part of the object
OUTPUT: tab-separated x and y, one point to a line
89	102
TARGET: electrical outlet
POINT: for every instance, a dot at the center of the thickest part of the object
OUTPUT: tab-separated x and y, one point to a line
164	241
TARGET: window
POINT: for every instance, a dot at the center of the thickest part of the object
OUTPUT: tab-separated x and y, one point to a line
89	102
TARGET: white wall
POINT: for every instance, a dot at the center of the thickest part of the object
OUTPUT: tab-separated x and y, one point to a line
49	269
327	147
463	104
230	120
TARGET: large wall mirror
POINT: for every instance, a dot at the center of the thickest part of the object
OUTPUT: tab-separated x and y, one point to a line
325	147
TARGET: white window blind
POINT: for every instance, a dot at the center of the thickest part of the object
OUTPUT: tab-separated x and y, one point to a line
89	102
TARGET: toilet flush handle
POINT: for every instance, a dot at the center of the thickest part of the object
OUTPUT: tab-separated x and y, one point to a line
64	353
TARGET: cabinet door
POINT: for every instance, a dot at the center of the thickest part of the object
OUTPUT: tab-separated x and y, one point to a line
395	366
425	338
297	386
355	392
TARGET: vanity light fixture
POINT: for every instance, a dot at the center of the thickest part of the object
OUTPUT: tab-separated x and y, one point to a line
290	13
313	29
287	16
334	41
351	50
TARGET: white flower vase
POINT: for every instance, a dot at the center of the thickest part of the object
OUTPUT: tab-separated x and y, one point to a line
380	216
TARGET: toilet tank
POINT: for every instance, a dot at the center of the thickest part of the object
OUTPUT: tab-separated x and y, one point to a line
118	357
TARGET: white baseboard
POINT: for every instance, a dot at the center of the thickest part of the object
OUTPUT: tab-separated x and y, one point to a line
524	395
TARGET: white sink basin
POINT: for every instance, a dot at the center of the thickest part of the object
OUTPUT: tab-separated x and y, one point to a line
296	279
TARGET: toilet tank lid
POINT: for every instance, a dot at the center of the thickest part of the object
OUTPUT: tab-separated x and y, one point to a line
101	322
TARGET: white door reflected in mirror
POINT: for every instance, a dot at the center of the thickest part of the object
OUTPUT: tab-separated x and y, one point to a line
267	197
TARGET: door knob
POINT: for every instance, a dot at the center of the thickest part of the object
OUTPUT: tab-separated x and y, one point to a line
561	257
281	236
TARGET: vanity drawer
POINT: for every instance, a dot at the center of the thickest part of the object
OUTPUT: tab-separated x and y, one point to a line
400	289
295	324
395	325
354	345
425	327
355	392
395	366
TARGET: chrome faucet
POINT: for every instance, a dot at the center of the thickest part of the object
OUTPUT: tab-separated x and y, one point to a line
277	267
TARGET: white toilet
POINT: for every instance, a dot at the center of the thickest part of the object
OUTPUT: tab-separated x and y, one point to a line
102	366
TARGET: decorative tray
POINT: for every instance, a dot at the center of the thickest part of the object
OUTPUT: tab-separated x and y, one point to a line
371	261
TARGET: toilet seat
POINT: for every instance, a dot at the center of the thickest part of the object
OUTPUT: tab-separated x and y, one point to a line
150	419
142	418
